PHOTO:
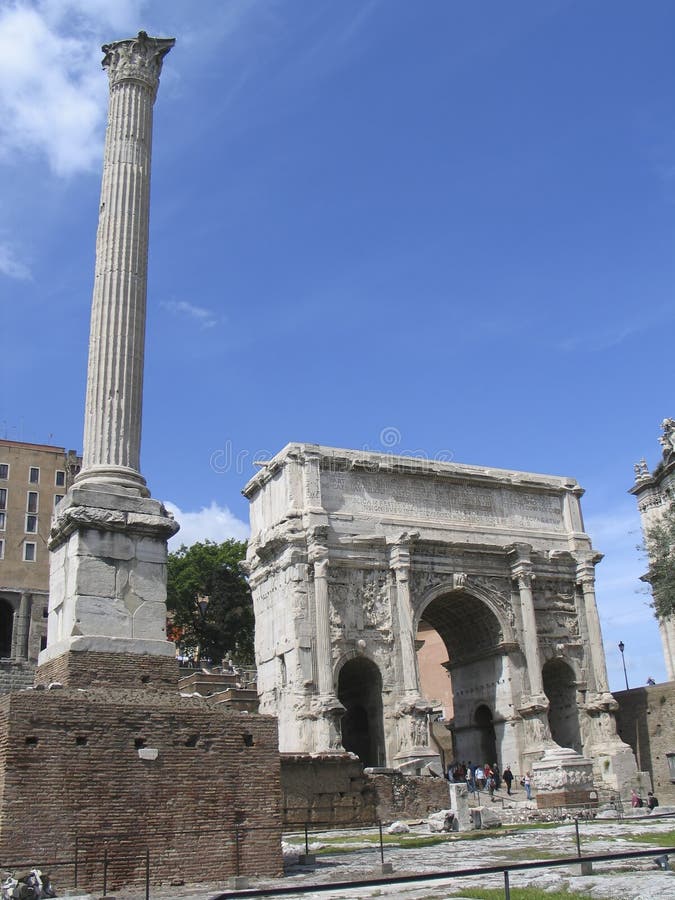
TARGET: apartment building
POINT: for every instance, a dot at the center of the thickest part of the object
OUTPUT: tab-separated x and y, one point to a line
33	478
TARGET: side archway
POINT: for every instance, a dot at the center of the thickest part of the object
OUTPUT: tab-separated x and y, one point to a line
360	692
560	688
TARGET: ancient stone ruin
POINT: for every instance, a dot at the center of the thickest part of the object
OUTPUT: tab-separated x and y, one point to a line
105	755
351	551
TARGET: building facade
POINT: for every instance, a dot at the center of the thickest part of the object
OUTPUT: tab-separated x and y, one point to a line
33	479
355	557
655	493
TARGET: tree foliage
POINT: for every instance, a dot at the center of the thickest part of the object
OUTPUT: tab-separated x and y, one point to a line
660	547
209	601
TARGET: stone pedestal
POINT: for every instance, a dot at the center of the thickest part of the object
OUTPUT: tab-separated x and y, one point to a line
459	803
562	777
107	592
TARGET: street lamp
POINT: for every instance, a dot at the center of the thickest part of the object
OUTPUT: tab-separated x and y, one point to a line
623	660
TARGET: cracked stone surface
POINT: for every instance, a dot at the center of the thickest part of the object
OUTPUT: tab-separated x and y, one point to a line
622	880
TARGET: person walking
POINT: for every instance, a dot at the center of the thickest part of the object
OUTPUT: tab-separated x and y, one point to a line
652	801
528	786
507	778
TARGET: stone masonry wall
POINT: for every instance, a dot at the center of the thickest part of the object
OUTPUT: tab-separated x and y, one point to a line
114	670
333	789
330	789
646	721
408	796
71	768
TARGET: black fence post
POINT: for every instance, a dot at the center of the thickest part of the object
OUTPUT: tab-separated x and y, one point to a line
105	871
507	887
576	828
379	824
306	839
147	873
77	847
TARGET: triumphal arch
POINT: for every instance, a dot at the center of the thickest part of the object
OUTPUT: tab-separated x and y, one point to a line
352	553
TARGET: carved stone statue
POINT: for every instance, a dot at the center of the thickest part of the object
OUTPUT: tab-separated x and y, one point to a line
667	439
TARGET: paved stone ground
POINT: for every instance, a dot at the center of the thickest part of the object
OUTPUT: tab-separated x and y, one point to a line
627	880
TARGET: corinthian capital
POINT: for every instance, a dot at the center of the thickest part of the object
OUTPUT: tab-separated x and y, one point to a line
136	59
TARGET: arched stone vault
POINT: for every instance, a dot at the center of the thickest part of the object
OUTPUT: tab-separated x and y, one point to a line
350	550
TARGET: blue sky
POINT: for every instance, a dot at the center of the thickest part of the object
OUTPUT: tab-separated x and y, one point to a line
450	219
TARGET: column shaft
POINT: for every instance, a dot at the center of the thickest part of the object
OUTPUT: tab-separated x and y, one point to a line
530	638
323	642
586	579
113	410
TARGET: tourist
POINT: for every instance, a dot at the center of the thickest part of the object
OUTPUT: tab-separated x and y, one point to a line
635	799
652	801
479	778
495	775
507	777
491	784
469	780
650	681
527	783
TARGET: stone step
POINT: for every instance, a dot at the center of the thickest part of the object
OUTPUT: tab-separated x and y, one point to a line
237	698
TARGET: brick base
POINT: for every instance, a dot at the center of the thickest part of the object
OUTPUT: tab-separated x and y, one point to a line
116	670
134	770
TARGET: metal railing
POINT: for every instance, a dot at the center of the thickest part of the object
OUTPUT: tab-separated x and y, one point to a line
504	869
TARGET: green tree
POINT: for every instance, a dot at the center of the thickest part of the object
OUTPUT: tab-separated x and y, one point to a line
660	547
210	601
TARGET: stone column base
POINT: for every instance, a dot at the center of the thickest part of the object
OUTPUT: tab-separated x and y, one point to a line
562	777
107	589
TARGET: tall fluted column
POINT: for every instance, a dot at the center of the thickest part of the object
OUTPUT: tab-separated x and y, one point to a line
112	426
322	613
400	563
586	580
108	542
521	572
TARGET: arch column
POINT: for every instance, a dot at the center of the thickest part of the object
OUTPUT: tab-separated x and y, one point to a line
586	584
400	566
21	627
325	707
533	708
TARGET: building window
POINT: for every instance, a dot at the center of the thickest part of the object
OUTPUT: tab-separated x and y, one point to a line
4	471
34	475
2	549
29	551
3	520
31	524
3	498
60	478
32	502
57	499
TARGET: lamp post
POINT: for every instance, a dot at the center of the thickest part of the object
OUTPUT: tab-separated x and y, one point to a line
623	660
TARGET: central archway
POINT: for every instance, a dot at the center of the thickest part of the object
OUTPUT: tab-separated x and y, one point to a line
360	692
474	641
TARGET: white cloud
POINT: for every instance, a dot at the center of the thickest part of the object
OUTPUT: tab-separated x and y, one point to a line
11	266
213	523
201	314
51	95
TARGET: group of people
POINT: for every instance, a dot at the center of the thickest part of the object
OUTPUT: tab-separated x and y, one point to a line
487	778
637	802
